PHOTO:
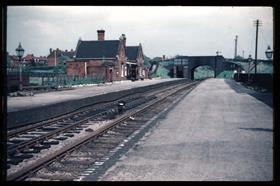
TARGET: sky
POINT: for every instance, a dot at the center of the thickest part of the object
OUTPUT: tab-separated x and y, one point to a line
162	30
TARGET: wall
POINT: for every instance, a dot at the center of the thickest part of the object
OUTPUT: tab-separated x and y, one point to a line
94	67
51	61
260	80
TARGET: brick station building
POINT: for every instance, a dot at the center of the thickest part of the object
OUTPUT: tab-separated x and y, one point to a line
110	59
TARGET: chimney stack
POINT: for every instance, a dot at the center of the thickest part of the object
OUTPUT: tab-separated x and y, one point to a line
123	39
100	35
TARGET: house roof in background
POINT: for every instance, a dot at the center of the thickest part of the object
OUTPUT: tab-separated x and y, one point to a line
59	53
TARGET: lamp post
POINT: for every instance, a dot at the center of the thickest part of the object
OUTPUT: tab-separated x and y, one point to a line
215	73
268	53
249	62
20	52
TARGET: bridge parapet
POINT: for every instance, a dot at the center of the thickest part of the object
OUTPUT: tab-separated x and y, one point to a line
190	63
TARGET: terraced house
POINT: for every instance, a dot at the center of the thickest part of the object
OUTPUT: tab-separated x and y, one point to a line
107	59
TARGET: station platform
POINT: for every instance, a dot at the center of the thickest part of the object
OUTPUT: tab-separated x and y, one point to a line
24	110
221	131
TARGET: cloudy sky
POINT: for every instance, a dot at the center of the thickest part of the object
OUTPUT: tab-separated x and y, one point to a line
169	30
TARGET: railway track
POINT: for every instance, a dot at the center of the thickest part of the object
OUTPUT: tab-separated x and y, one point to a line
140	109
31	134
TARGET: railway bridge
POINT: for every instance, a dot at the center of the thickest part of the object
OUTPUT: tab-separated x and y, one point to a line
184	66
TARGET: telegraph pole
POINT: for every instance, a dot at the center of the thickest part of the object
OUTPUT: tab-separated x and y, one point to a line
235	48
257	23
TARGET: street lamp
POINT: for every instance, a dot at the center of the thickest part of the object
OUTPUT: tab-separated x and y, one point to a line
20	52
268	52
249	61
215	65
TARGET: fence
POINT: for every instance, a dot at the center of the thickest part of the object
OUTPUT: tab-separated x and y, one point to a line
50	79
258	80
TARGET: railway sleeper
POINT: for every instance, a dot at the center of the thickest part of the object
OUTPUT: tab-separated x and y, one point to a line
15	161
15	141
126	133
116	136
49	128
40	146
133	127
134	123
77	161
100	149
113	140
37	132
56	175
61	125
61	138
85	125
68	134
30	136
73	131
52	142
31	151
92	152
105	144
122	129
24	156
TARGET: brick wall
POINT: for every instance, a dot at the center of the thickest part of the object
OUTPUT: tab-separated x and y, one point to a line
51	61
93	68
75	68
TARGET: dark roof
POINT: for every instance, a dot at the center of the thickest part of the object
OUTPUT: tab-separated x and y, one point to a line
131	52
98	49
68	54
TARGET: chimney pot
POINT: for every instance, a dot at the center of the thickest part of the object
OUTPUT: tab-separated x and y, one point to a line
100	35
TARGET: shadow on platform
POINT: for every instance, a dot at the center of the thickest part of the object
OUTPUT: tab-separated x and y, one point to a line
257	129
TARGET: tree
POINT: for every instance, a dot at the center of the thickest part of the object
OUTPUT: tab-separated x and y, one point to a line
32	61
147	61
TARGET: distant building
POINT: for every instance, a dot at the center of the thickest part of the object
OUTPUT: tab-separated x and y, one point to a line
31	60
109	59
135	62
12	61
59	57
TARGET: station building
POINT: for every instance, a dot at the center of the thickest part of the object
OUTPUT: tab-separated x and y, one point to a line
110	59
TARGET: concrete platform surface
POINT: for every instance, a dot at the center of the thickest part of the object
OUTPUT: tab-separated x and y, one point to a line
218	132
38	100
